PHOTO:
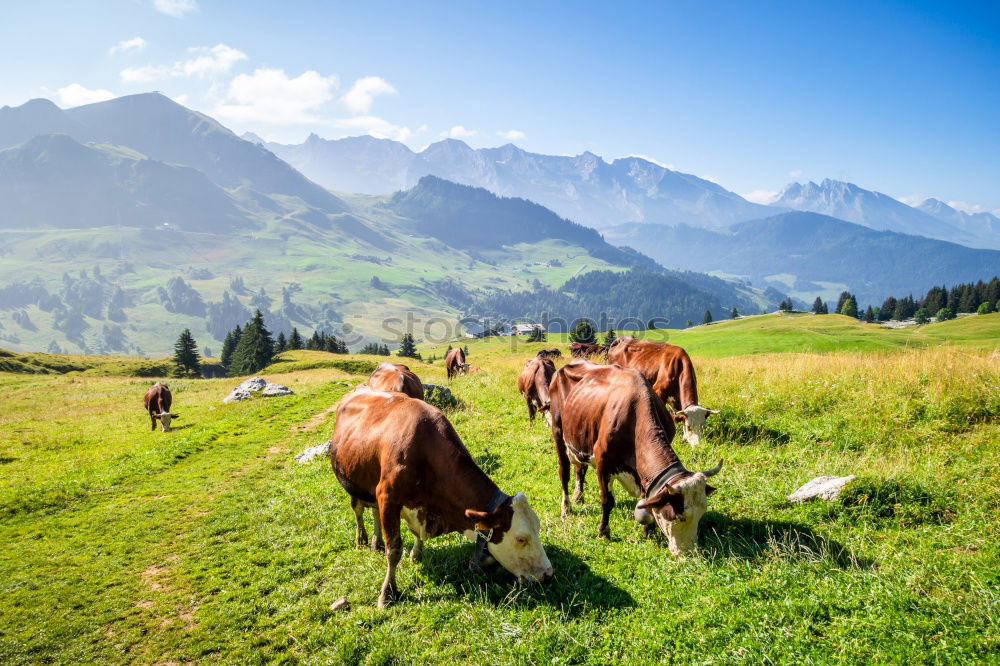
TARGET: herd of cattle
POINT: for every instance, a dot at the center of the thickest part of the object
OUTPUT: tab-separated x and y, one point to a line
401	457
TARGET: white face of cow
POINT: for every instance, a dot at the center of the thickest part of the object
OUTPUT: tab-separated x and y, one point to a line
695	417
682	530
165	419
463	369
521	552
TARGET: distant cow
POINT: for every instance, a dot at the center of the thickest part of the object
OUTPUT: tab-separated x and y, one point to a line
470	369
403	458
586	350
533	383
670	372
454	363
608	417
157	401
549	353
396	377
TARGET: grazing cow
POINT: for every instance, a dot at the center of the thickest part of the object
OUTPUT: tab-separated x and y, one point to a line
157	401
533	383
549	353
404	459
586	350
607	416
396	377
669	370
454	363
473	368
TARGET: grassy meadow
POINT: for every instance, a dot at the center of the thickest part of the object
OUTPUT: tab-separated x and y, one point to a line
210	543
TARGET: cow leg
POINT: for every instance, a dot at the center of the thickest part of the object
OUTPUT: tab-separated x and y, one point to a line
377	544
360	535
417	551
152	424
563	470
649	531
581	475
531	412
607	503
394	549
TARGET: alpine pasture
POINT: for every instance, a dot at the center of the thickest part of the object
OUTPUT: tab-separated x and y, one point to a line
210	543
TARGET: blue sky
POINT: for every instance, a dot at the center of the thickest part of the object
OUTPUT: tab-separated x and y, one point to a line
899	97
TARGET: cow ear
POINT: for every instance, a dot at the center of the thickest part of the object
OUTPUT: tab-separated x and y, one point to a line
669	502
709	490
483	520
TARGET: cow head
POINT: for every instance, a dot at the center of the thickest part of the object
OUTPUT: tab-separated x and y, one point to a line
519	549
463	369
165	419
693	418
677	508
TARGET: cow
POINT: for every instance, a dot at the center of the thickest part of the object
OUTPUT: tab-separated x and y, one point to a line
549	353
454	363
670	372
533	383
157	401
586	350
402	457
608	417
472	369
396	377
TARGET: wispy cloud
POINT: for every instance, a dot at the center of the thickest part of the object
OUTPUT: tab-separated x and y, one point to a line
271	96
761	196
795	173
377	127
133	45
458	132
176	8
144	74
206	62
362	94
512	135
967	207
76	95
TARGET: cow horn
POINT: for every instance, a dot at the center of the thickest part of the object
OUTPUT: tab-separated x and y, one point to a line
714	470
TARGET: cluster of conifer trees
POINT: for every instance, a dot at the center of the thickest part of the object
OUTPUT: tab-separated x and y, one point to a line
939	302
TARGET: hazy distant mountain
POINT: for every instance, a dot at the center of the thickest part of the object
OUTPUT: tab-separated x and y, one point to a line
984	225
51	181
807	254
163	130
875	210
583	188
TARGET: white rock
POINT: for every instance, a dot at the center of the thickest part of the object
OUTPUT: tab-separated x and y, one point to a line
826	488
255	385
272	390
313	452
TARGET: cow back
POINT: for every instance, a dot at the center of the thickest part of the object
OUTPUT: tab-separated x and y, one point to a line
396	377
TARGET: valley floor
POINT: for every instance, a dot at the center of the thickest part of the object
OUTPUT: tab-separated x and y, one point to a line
211	543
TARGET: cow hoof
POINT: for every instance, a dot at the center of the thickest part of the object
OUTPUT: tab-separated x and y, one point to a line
378	547
604	533
384	601
578	498
649	531
415	555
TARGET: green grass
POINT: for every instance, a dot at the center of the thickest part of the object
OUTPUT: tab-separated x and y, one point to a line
211	544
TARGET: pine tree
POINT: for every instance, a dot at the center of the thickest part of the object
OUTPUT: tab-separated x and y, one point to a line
706	318
228	345
733	314
944	314
818	306
869	315
187	362
465	350
295	340
281	344
850	307
844	295
255	349
407	348
610	337
537	335
583	332
921	316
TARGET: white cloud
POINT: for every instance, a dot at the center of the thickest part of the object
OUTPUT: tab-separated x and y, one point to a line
144	74
181	99
176	8
458	132
133	45
914	200
795	173
362	94
967	207
512	135
76	95
761	196
217	59
270	96
377	127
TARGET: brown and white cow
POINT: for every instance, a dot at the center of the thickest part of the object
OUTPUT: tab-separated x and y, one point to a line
608	417
396	377
670	372
533	383
549	353
586	350
157	401
454	363
403	458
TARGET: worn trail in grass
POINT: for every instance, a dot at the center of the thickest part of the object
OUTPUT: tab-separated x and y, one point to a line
211	543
